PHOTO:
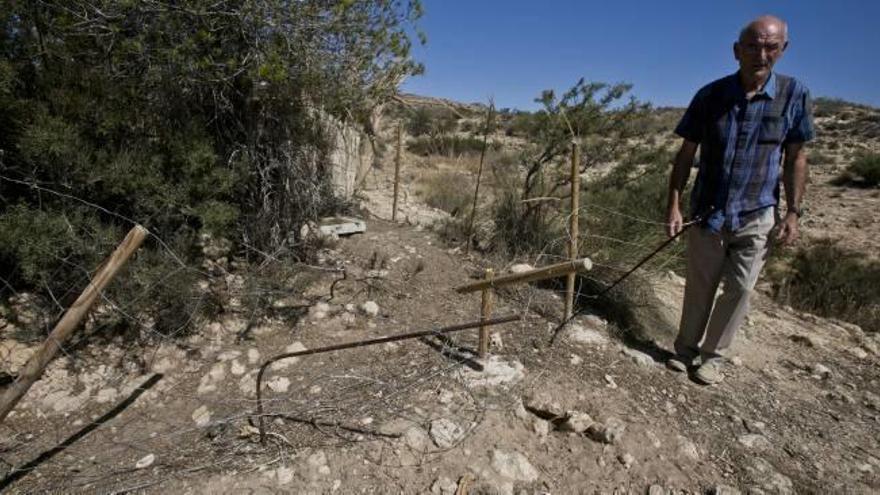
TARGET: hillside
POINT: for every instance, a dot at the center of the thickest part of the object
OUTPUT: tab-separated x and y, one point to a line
597	412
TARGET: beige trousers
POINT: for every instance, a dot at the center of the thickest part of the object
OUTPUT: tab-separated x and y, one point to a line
733	261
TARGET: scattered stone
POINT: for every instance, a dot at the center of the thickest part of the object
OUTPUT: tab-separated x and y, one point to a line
445	433
228	355
14	355
858	352
656	490
444	486
279	384
576	360
253	355
640	358
236	368
106	395
544	405
610	381
723	490
765	475
686	448
513	466
316	466
820	371
754	426
445	397
284	474
319	311
201	416
865	468
495	341
370	308
754	441
576	421
540	427
496	371
807	340
145	461
209	381
736	361
626	459
609	433
586	336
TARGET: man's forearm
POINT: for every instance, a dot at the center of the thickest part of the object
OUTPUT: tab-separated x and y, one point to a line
795	176
681	169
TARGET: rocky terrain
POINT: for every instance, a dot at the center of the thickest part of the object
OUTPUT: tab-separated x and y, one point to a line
798	413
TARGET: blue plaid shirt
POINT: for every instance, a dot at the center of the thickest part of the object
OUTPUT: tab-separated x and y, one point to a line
741	145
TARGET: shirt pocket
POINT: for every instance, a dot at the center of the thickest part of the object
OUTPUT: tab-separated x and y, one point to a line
772	130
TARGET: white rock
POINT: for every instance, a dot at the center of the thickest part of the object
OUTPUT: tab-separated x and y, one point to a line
279	384
145	461
285	475
687	448
586	336
319	311
201	416
370	308
495	342
754	441
496	372
656	490
638	357
544	403
724	490
609	433
576	360
577	422
626	459
513	466
236	368
445	433
228	355
821	371
443	486
106	395
317	465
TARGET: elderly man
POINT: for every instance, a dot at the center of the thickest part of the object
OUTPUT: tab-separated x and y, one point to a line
745	125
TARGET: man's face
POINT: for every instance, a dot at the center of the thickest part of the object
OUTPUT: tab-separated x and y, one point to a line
759	49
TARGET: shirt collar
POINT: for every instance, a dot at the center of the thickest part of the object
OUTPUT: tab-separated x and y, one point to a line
768	91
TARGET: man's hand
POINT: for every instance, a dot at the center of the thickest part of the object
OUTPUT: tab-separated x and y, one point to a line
674	221
788	232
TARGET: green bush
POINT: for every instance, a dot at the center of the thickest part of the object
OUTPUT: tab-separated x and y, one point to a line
866	168
829	281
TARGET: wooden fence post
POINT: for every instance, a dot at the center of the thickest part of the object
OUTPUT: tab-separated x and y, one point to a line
573	227
485	314
487	129
35	366
397	171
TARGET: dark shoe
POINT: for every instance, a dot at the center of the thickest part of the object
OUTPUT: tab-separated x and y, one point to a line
709	373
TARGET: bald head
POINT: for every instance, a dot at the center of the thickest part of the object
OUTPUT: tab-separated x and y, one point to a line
767	25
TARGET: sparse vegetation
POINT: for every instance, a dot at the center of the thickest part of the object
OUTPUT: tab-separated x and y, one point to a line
866	169
449	191
447	145
829	281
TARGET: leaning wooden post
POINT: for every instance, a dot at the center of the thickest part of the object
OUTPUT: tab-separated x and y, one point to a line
470	230
35	366
485	314
397	171
573	227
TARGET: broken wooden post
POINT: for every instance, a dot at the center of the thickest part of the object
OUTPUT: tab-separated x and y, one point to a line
573	227
397	171
543	273
485	314
35	366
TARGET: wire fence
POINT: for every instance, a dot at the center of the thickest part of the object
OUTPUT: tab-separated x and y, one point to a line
130	407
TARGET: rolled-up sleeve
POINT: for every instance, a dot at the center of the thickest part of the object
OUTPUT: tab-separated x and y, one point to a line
691	125
801	129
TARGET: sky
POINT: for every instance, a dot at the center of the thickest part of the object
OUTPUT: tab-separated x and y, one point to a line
511	50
